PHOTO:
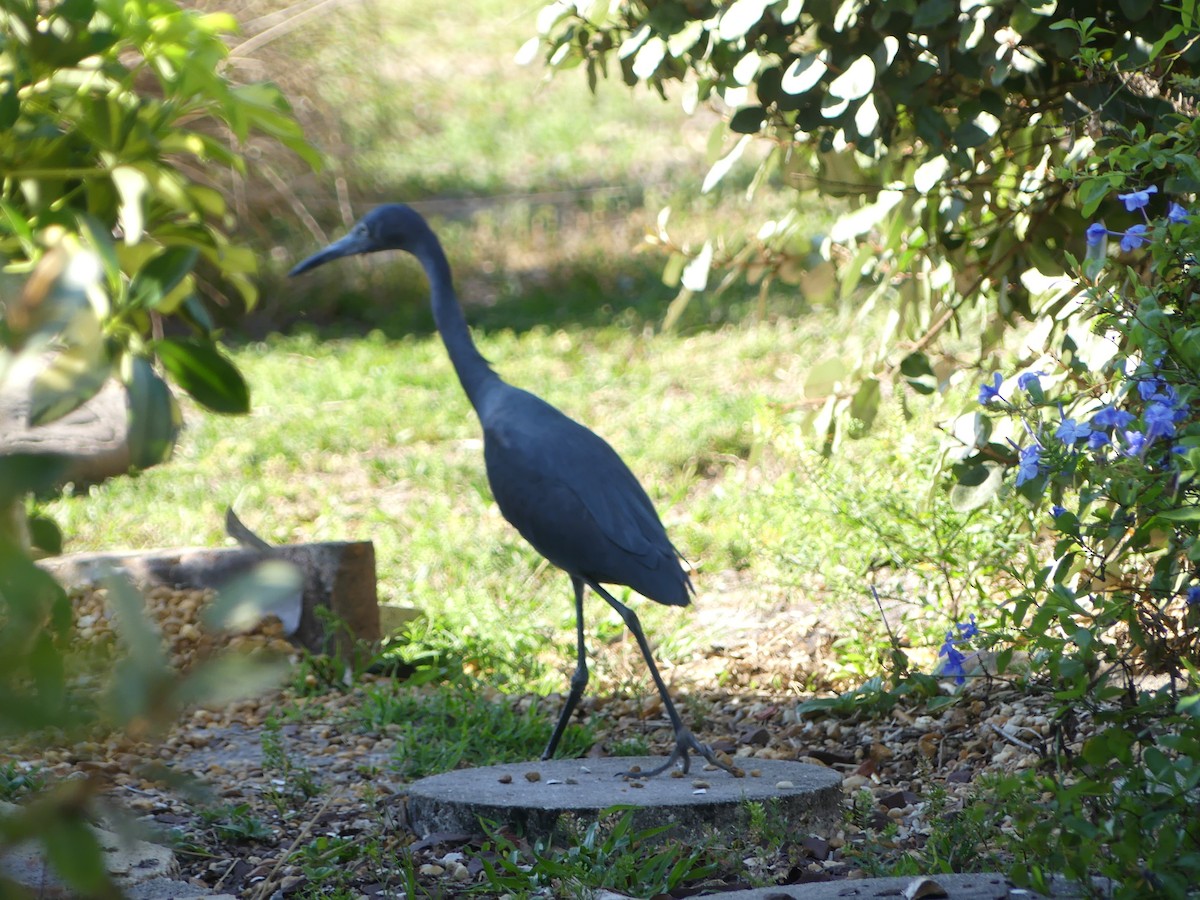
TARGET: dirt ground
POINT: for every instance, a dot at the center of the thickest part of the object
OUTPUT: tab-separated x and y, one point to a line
254	824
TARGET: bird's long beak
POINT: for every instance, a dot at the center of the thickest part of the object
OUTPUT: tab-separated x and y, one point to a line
347	246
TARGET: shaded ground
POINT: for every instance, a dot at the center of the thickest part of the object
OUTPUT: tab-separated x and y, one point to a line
303	798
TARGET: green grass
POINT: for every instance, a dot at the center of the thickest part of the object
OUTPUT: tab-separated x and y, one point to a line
434	105
372	439
444	728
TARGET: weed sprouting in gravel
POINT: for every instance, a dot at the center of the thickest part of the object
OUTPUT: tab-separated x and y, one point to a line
236	824
291	783
631	746
443	727
609	853
17	781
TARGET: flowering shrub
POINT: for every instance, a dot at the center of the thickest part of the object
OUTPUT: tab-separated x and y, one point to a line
1116	449
1104	436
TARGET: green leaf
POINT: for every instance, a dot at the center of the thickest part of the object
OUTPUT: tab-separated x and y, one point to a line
131	185
154	418
201	370
747	120
155	281
857	81
243	603
932	13
73	377
824	377
1182	514
976	485
929	173
918	372
864	406
739	17
45	534
74	851
1092	194
694	276
804	73
28	473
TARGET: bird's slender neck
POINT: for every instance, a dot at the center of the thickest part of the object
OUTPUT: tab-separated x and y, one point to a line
472	369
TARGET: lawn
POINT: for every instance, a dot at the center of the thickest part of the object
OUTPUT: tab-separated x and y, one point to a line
372	439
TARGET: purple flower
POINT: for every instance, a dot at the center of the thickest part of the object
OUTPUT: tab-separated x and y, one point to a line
967	630
1134	237
1056	511
1072	432
1098	440
990	392
1149	388
1137	199
1028	380
1111	417
1135	443
1029	464
1193	594
1160	420
954	660
1096	233
1177	213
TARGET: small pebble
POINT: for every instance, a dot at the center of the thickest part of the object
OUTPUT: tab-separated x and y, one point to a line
505	779
533	776
784	784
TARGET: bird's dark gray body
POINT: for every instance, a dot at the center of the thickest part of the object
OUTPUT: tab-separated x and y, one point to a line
569	494
563	487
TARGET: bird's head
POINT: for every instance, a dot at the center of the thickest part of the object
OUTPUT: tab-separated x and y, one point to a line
393	226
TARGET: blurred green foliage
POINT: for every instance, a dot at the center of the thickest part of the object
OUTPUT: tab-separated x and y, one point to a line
115	122
950	128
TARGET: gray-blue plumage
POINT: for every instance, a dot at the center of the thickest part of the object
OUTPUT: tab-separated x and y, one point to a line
563	487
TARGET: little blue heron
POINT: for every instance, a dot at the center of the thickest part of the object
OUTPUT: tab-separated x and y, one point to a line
564	488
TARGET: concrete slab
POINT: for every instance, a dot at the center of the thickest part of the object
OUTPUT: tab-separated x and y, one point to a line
536	798
129	861
919	887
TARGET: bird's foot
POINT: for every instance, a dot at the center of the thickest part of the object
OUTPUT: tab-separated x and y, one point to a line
685	744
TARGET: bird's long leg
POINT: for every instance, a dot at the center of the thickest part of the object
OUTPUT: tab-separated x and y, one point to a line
579	680
685	741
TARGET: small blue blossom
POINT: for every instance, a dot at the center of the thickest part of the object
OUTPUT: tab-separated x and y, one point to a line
1134	237
1137	199
1098	440
990	392
1177	213
1096	233
1056	511
1111	417
1193	594
954	660
1160	420
1135	443
967	630
1029	464
1028	380
1150	388
1072	432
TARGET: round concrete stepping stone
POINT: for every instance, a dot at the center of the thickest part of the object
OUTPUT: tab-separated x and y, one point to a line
537	797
